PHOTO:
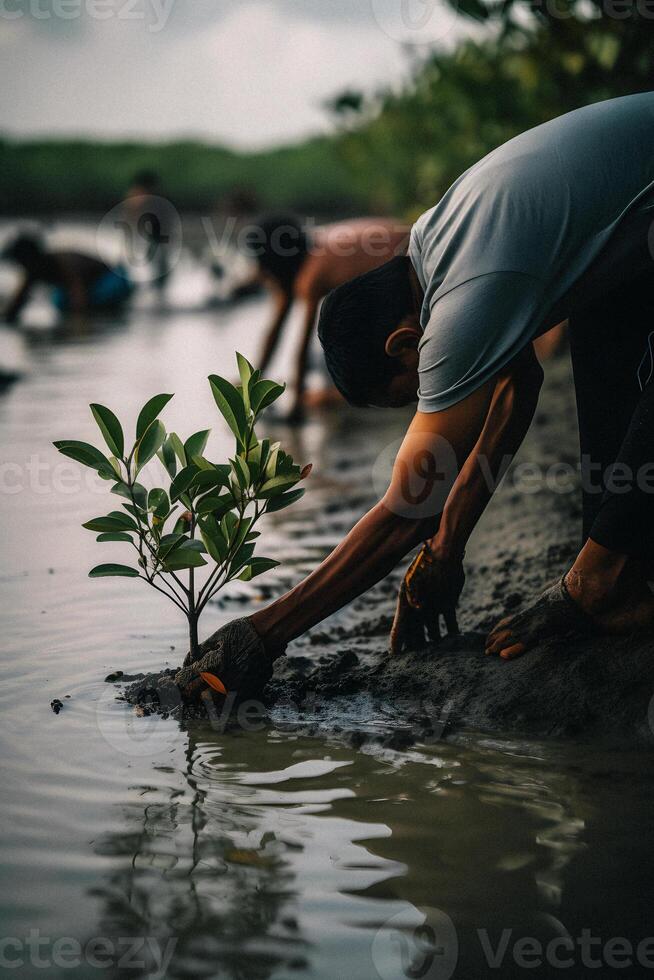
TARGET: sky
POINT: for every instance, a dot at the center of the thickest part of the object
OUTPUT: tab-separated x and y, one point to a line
246	73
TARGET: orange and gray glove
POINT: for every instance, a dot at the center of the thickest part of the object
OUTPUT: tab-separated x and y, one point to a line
431	589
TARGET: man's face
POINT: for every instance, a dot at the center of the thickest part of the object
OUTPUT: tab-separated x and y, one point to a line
402	347
403	389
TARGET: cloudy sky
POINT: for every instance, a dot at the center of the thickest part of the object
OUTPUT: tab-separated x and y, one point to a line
244	72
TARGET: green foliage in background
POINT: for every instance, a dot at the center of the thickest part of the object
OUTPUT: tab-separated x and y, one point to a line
55	176
204	515
534	62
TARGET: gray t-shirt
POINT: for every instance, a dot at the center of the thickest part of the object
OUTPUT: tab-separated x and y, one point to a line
515	233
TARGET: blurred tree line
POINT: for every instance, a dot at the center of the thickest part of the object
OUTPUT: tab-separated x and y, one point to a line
394	152
54	176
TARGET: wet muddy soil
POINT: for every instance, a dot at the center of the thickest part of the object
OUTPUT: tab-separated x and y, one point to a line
599	686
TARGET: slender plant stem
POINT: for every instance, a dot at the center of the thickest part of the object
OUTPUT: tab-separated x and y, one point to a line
167	594
142	538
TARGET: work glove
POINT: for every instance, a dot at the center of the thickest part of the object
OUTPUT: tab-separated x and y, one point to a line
431	589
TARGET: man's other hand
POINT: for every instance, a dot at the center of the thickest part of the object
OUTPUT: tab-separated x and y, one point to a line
431	589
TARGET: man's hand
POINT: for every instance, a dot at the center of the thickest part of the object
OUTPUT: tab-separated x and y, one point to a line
431	589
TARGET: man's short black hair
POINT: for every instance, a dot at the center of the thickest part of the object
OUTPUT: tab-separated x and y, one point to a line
356	319
279	245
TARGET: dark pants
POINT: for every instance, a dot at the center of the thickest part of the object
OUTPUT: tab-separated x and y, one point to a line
611	340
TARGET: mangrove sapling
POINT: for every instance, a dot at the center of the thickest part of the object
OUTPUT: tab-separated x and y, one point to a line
205	515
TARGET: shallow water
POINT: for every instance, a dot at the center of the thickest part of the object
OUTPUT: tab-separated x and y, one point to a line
262	853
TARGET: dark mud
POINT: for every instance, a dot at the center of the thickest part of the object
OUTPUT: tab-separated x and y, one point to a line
591	686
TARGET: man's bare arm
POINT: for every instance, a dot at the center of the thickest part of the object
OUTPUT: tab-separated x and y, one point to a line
424	472
432	586
509	417
282	300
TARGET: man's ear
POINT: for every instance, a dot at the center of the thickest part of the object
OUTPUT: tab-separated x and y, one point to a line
404	338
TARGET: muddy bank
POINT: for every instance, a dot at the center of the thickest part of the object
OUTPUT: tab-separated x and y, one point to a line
598	687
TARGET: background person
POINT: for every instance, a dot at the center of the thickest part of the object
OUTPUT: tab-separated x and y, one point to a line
80	283
301	266
148	214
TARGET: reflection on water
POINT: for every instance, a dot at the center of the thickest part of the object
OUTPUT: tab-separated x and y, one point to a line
260	854
329	865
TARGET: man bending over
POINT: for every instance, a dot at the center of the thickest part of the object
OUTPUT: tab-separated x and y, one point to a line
553	224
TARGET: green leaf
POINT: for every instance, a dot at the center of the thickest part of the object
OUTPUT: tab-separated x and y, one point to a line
151	440
168	457
158	502
149	413
195	545
286	466
184	556
228	525
242	472
230	404
271	462
284	500
257	567
264	393
140	493
253	460
241	558
169	542
119	516
202	463
244	527
245	370
102	571
217	476
113	522
114	536
115	465
182	481
263	458
82	452
195	444
178	446
271	488
110	428
216	504
213	539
